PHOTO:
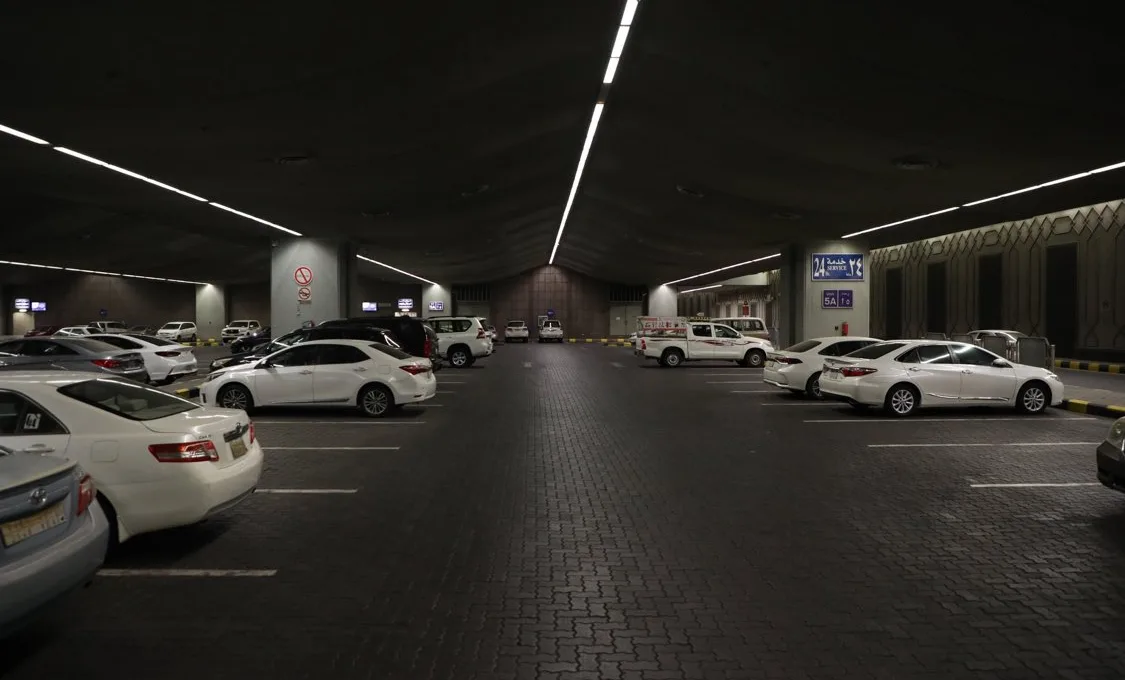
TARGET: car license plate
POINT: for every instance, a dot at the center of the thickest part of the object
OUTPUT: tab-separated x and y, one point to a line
24	528
238	448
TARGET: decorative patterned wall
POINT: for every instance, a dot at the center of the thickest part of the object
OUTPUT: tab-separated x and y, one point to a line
580	302
1098	231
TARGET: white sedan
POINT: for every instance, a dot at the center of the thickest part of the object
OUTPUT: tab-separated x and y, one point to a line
516	331
164	360
358	373
158	461
797	368
905	375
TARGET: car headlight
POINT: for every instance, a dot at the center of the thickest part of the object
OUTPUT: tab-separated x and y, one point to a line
210	377
1052	376
1116	437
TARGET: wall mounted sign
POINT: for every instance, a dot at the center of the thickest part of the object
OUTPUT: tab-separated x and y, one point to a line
370	306
38	306
550	313
437	305
304	294
22	304
405	303
837	267
103	313
303	276
837	299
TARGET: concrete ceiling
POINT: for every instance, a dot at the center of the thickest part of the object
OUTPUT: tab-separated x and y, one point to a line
443	137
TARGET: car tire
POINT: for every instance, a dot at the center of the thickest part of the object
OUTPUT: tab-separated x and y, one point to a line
812	386
193	338
460	357
902	400
1033	398
111	519
754	358
672	358
236	397
376	401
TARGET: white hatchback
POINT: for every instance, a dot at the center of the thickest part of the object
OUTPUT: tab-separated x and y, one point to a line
797	368
158	461
905	375
370	376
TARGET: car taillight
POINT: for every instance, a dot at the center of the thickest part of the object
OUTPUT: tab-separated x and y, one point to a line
644	345
86	493
788	360
855	372
107	363
481	333
184	452
427	348
167	354
252	432
415	369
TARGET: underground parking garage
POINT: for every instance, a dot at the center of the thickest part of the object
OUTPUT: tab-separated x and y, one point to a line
578	344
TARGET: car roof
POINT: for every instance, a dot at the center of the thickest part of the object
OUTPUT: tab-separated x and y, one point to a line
45	378
833	338
341	341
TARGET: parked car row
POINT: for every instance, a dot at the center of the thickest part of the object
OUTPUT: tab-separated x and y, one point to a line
144	358
180	331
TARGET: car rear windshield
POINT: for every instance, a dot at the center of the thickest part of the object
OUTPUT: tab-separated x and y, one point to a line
516	324
875	351
803	346
151	339
128	400
390	351
551	324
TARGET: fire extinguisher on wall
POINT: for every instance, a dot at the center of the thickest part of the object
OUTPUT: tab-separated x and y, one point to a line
844	328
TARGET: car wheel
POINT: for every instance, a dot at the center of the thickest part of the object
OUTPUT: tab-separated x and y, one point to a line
812	387
375	401
236	397
192	338
459	357
754	358
671	358
1033	398
902	400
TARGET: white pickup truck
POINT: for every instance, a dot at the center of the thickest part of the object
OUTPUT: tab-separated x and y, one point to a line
674	340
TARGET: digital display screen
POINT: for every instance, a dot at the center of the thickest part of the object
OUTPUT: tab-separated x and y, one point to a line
437	305
38	306
406	303
370	306
22	304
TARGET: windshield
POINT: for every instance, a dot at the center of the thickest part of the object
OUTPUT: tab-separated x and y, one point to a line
875	351
391	351
127	399
516	324
287	340
802	346
239	324
170	327
152	339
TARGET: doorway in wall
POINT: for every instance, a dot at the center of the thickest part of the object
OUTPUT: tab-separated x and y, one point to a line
1061	288
893	304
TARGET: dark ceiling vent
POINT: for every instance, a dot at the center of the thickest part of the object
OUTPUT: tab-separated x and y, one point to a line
476	191
915	163
688	191
296	159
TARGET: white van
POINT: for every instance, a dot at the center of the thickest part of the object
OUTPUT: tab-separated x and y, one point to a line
750	326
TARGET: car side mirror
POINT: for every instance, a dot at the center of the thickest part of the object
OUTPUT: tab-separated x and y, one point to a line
1000	363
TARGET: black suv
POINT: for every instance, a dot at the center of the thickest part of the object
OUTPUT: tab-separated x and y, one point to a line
351	332
415	337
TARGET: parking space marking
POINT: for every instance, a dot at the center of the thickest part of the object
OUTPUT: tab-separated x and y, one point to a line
1033	485
190	573
986	419
803	403
976	444
331	448
753	391
309	491
736	382
339	422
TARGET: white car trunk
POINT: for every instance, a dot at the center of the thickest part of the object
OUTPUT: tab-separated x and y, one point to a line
228	430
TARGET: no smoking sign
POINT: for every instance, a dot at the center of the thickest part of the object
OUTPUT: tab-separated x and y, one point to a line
303	276
304	294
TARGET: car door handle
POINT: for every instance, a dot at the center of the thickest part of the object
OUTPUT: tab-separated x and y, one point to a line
966	371
306	372
913	369
360	369
39	448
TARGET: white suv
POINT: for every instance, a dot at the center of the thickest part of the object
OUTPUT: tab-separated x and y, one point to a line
464	339
516	331
237	329
177	331
551	331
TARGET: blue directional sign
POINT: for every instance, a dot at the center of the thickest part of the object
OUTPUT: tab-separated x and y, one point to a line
837	267
837	299
844	297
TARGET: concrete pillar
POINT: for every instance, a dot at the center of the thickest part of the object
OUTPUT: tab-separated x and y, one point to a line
662	301
311	280
211	311
437	300
816	280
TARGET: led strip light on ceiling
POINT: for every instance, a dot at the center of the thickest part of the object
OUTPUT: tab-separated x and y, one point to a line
396	269
99	272
696	290
610	71
722	269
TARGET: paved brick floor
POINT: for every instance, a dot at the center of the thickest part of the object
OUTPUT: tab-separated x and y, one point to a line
563	512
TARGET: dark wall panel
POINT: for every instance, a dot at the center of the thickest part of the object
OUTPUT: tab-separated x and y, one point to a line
580	302
1061	314
77	300
937	296
990	291
249	301
892	328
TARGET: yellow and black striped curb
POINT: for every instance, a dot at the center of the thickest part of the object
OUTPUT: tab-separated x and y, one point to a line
1092	409
602	341
188	392
211	342
1094	366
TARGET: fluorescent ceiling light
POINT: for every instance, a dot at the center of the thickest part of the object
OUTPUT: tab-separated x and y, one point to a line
396	269
128	173
630	11
22	135
1071	178
248	216
97	271
578	175
619	42
610	70
895	224
723	269
696	290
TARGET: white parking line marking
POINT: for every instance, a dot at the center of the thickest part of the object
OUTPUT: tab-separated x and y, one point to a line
527	364
331	448
945	420
316	491
1033	485
339	422
736	382
732	374
190	573
976	444
752	391
616	364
